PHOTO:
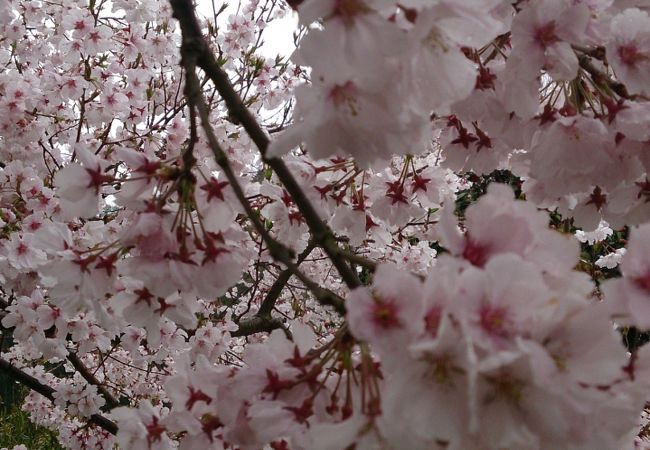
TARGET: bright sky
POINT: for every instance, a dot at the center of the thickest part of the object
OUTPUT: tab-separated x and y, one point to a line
278	36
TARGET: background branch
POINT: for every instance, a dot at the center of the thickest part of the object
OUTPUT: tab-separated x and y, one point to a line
111	401
48	392
76	362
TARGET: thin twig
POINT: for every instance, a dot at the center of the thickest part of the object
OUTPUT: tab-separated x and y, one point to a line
277	250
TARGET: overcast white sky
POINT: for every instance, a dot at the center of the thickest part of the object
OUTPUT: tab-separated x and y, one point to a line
278	37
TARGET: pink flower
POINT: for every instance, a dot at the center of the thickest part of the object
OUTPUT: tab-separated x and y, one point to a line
497	223
542	34
389	312
629	49
142	428
630	295
502	302
79	186
21	252
415	392
339	118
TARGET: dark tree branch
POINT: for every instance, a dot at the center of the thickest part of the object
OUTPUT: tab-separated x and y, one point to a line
276	249
361	261
3	312
48	392
276	289
257	324
602	79
195	45
111	401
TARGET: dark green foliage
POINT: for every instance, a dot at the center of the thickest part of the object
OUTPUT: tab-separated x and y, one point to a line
15	427
633	338
479	186
365	276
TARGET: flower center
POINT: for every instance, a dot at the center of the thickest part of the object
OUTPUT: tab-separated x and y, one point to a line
345	95
475	253
348	9
630	55
494	320
643	282
384	314
545	35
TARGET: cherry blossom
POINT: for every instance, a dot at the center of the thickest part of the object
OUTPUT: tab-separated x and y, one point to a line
629	48
423	227
629	294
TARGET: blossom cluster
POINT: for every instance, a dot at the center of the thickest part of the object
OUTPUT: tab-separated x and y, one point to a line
474	355
202	246
557	92
502	345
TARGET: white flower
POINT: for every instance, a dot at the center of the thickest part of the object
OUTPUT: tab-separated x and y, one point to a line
611	260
